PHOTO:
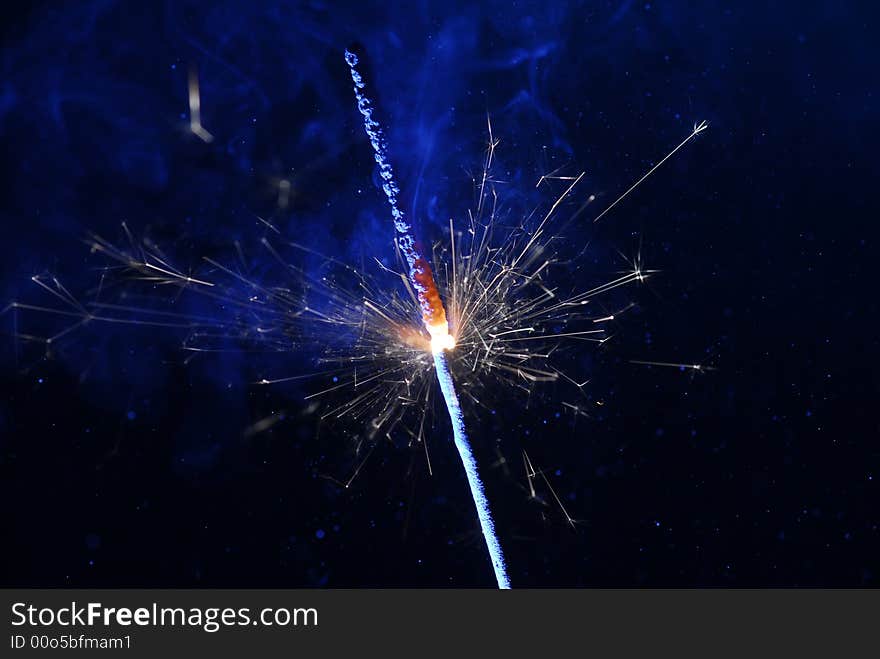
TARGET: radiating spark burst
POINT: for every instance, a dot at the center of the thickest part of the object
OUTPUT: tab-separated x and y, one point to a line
512	317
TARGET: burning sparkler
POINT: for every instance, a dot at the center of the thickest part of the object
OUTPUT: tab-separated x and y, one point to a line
434	318
522	269
507	320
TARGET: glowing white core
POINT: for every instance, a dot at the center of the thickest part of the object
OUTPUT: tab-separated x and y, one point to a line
441	339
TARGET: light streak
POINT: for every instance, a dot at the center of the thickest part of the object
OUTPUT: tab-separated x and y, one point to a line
283	193
195	107
680	366
698	128
531	473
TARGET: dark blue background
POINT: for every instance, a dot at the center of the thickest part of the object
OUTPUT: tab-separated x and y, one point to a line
122	467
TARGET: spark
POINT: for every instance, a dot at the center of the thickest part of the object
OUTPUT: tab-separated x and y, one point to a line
283	193
692	367
531	475
698	128
195	107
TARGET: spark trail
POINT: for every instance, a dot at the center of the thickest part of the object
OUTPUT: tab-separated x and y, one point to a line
698	128
433	316
195	107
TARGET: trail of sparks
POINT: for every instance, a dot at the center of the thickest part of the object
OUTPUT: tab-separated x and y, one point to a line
434	317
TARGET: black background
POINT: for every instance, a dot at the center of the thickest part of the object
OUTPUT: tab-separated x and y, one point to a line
123	467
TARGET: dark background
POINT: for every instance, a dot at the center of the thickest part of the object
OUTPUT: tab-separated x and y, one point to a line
121	466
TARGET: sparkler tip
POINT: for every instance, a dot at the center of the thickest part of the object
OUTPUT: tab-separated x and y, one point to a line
441	339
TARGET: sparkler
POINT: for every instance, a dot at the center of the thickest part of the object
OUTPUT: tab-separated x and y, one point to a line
433	316
513	323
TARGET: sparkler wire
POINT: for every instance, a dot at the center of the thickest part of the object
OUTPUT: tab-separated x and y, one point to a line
433	316
459	433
